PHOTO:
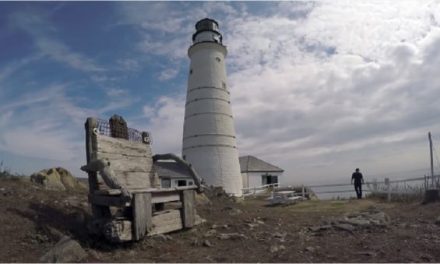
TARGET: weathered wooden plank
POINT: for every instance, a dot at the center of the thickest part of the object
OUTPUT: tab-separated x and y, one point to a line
137	164
142	214
121	156
165	197
188	210
118	231
108	192
165	222
133	180
122	146
91	123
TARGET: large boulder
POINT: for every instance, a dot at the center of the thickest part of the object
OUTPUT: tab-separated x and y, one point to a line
58	179
66	250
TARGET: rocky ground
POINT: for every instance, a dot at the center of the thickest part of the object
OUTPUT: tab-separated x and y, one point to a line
33	220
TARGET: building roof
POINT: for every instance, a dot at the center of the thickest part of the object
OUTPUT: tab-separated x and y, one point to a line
167	169
253	164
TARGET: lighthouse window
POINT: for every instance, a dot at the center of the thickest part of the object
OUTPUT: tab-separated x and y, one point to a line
218	59
191	71
224	85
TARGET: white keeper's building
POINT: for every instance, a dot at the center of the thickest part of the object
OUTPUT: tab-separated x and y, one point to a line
256	172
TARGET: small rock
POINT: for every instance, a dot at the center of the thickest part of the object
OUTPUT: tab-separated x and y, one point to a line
41	238
357	222
426	258
206	243
196	242
251	226
210	233
235	211
310	249
367	253
232	236
95	255
279	235
275	248
314	228
210	259
320	228
164	237
346	227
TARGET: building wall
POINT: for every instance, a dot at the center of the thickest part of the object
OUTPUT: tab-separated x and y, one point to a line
254	179
174	183
244	177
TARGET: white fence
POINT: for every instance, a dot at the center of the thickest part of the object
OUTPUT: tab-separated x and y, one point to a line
411	186
258	190
387	186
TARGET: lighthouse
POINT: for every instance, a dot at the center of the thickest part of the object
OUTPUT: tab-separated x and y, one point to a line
209	142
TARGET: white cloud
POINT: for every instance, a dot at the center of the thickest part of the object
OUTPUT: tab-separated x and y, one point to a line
129	65
165	122
168	74
37	24
47	124
42	125
60	52
14	67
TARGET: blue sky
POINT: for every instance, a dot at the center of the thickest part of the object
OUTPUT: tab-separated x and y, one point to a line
317	88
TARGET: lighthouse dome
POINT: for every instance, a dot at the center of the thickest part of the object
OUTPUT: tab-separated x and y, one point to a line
207	30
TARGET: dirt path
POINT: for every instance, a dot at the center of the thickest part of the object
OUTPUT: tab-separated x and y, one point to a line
30	219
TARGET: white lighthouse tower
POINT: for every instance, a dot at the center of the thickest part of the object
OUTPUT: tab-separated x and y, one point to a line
209	142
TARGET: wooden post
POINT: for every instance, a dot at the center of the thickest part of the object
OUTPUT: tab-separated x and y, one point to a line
118	127
146	137
188	210
426	183
303	193
90	125
142	214
387	183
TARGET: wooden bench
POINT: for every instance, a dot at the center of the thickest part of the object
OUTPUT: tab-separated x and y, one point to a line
124	190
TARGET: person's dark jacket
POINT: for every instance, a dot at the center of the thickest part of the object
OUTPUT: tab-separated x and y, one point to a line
357	177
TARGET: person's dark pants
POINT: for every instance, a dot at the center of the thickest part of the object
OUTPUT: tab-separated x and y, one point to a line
358	189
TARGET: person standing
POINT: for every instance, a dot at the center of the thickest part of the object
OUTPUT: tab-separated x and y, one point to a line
358	180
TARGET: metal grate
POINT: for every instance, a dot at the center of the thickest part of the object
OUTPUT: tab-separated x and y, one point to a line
103	128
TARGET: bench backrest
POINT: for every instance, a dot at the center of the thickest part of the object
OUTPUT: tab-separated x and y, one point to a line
130	159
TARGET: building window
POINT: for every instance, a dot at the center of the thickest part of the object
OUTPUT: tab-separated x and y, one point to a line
190	183
269	179
181	183
218	59
165	183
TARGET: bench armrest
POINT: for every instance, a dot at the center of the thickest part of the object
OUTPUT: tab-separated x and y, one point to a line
107	174
95	165
177	159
